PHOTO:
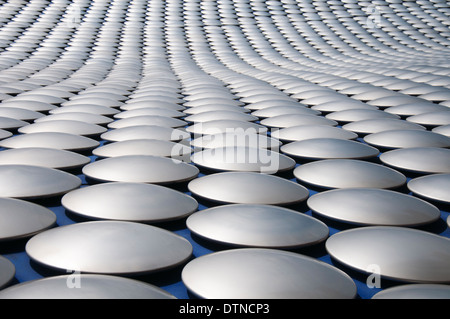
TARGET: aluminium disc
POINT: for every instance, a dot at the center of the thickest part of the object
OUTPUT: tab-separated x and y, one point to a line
22	219
348	173
135	202
396	253
219	276
371	206
33	182
109	247
141	169
84	286
248	188
246	225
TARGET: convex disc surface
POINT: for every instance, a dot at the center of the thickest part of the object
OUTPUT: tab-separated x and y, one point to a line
396	253
84	286
248	188
415	291
22	219
434	187
7	271
138	202
33	182
369	206
348	173
219	276
46	157
109	247
257	226
141	169
329	148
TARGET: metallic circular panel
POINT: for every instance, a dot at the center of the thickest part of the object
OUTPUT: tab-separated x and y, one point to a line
145	132
380	125
31	182
21	219
283	110
415	291
220	276
237	139
46	157
77	116
84	286
370	206
329	148
141	169
220	115
109	247
431	119
348	173
149	111
289	120
434	187
443	130
157	120
19	114
226	126
138	202
86	108
359	115
246	159
144	147
7	123
7	271
5	134
248	188
419	159
396	253
407	138
264	226
305	132
61	141
64	126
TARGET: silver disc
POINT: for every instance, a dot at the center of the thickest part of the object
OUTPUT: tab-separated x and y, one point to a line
348	173
145	203
145	132
7	271
304	132
428	160
236	139
368	206
144	147
64	126
109	247
247	159
84	286
61	141
257	226
219	276
46	157
396	253
33	182
407	138
141	169
380	125
21	219
415	291
329	148
226	126
248	188
433	186
5	134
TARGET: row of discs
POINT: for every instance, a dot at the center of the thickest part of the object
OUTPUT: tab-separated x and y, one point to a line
226	124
